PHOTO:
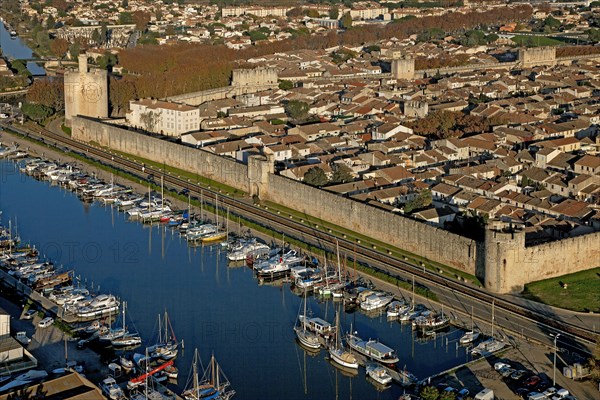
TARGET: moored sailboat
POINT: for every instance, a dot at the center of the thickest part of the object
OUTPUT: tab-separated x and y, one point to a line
337	351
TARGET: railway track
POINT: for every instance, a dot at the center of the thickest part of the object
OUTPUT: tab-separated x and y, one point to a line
325	240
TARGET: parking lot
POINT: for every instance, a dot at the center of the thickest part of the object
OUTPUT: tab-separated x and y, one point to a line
522	364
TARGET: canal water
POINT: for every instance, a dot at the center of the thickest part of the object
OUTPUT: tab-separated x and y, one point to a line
213	307
15	47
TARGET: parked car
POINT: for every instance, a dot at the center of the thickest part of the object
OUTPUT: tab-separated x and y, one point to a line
522	393
561	394
550	392
499	365
518	374
22	338
46	322
464	392
532	381
506	372
29	314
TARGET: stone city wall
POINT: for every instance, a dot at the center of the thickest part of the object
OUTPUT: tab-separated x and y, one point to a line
502	260
209	165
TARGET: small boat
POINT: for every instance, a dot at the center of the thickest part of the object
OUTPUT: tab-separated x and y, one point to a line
213	385
126	363
379	374
127	340
337	351
306	337
396	308
372	349
171	372
111	389
469	337
488	347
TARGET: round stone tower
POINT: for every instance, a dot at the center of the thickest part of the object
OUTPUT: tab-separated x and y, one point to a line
86	92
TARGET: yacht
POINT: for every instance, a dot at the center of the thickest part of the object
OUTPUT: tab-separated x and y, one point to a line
488	347
372	349
379	374
100	305
111	389
241	253
375	301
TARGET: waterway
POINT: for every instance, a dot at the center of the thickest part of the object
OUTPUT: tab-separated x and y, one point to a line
213	307
16	47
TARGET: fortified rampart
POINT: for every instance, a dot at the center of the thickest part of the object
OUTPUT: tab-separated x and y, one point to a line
502	260
243	81
531	57
510	264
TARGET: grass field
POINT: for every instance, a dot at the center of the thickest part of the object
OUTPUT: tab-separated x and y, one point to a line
582	292
535	41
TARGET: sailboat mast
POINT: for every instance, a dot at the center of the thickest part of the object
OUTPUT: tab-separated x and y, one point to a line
337	244
304	319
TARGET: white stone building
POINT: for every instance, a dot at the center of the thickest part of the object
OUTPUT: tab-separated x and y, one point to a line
163	117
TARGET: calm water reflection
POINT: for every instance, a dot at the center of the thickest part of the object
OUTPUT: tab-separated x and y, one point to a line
212	306
17	48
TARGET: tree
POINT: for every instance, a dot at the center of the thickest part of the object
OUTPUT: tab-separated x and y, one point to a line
296	109
285	85
422	200
36	112
315	176
59	47
120	92
445	395
48	92
346	21
593	35
429	393
50	22
141	20
342	173
74	50
334	13
125	18
552	22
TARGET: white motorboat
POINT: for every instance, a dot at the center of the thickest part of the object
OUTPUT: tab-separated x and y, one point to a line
241	253
379	374
375	301
488	347
111	389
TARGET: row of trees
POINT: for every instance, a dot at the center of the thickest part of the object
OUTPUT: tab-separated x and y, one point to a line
44	98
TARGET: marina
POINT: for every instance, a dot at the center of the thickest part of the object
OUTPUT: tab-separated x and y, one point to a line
263	316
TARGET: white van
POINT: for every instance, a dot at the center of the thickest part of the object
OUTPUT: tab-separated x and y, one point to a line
46	322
